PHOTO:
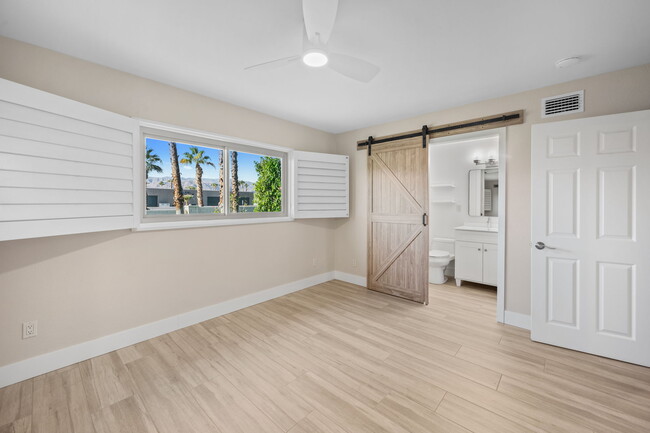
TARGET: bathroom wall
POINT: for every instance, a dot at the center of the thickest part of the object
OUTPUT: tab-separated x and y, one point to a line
449	163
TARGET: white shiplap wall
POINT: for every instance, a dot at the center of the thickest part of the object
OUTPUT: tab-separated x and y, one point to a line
321	185
65	167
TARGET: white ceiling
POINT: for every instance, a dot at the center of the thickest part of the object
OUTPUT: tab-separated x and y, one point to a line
433	54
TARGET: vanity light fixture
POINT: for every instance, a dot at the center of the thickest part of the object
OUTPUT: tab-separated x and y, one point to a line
490	162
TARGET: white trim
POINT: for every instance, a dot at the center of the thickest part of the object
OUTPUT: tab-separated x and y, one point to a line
501	237
517	319
28	368
139	186
291	212
351	278
192	224
501	243
210	135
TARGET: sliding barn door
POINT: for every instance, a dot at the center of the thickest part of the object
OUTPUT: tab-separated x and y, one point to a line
398	236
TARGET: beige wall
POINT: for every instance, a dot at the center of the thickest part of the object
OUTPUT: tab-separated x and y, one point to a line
616	92
86	286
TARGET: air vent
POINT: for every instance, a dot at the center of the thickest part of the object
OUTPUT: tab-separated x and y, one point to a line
563	104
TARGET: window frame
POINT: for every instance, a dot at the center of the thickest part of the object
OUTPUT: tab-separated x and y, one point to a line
149	129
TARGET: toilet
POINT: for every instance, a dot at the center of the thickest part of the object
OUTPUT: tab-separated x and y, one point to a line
438	261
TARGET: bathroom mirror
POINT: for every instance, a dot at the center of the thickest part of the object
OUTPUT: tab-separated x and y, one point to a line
483	186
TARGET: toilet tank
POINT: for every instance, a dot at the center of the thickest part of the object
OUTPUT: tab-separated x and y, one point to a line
444	244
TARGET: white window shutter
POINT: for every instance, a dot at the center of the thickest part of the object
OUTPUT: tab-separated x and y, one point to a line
65	167
321	185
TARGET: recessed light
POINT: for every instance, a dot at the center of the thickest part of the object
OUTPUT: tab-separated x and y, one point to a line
315	58
566	62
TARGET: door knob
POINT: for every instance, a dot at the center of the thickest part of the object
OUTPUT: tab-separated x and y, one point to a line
542	245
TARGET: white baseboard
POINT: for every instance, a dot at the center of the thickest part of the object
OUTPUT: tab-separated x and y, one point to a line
517	319
28	368
350	278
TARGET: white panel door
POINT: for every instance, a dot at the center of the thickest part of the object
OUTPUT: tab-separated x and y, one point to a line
591	236
469	261
490	264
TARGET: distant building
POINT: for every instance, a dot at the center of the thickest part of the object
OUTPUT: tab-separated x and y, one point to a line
161	198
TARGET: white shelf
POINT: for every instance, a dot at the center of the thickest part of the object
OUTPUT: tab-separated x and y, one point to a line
443	185
442	201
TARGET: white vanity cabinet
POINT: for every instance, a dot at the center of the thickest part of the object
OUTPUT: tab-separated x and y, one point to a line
490	264
469	261
476	255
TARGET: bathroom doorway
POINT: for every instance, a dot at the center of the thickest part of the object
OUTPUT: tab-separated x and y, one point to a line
467	210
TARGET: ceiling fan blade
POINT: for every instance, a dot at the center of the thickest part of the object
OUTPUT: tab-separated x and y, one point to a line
273	64
353	67
319	18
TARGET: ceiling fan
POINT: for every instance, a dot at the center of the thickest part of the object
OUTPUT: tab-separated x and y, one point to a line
319	17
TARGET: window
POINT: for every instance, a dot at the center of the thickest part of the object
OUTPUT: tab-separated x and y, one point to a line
255	182
180	177
73	168
199	178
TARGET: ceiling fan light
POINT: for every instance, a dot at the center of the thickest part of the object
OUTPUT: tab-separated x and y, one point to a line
315	58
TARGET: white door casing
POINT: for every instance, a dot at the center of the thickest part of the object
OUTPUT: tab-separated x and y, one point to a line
503	195
590	207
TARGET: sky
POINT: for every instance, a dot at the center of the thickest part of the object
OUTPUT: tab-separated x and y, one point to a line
161	148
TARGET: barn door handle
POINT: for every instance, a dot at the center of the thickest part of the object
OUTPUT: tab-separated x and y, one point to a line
425	219
542	245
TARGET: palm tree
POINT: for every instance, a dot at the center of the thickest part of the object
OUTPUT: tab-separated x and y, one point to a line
152	162
198	158
234	193
243	185
222	184
176	178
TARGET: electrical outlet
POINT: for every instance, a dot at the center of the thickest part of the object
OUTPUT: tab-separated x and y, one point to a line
30	329
313	262
354	263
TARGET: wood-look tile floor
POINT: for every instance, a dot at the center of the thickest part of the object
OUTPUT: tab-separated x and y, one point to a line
337	358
